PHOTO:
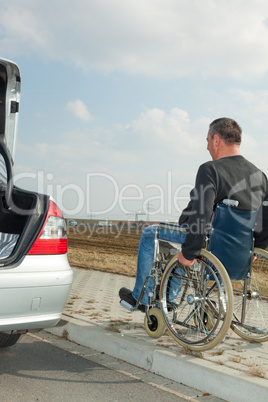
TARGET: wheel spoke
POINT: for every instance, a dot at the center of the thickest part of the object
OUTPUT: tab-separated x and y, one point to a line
201	300
250	319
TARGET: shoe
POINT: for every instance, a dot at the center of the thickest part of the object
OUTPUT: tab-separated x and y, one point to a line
126	295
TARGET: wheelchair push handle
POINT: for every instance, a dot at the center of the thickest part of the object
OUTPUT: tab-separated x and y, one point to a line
230	203
234	203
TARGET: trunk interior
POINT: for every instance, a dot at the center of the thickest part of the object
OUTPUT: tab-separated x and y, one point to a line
20	222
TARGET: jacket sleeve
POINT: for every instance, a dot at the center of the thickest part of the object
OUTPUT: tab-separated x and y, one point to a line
261	230
199	211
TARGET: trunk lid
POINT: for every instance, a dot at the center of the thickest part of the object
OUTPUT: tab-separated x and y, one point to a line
9	104
22	213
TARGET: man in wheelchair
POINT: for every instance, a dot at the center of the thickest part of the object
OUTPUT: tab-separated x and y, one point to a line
228	176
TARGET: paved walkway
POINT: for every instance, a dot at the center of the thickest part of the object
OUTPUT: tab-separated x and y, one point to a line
234	370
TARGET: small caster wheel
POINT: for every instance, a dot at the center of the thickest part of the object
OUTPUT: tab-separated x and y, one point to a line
157	326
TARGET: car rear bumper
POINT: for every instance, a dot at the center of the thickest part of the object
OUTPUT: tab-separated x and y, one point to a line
29	322
34	292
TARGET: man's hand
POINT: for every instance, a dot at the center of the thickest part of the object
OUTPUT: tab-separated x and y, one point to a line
183	260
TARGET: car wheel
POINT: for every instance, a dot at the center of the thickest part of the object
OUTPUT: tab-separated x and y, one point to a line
8	339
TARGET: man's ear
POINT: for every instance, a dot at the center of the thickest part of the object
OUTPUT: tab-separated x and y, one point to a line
217	139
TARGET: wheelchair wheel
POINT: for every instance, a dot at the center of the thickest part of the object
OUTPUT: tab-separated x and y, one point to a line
157	326
197	302
208	318
251	304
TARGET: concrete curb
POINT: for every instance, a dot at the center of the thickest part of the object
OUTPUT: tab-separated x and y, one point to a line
217	380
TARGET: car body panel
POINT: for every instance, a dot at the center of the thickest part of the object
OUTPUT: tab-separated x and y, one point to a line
33	294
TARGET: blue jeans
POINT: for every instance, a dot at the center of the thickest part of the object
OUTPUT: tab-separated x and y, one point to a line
146	256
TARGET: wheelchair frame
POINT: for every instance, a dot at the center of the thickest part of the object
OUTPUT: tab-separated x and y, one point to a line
208	303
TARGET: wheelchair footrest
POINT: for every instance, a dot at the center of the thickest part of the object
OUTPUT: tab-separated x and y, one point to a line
256	330
126	305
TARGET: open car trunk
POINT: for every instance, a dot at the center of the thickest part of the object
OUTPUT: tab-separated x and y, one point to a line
21	212
20	223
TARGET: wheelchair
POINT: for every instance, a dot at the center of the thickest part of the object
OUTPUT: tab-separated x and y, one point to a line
226	287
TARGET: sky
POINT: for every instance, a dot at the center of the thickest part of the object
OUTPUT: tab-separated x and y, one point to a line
117	97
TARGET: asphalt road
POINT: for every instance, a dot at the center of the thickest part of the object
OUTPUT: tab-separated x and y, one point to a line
42	367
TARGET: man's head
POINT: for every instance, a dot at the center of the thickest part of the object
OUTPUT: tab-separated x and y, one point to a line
228	129
224	138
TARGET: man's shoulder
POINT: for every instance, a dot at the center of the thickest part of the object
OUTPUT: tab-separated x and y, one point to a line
229	161
207	166
251	167
207	172
229	165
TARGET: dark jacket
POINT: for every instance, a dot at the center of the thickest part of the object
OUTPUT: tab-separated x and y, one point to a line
234	178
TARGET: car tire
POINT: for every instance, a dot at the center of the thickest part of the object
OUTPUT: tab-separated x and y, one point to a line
7	340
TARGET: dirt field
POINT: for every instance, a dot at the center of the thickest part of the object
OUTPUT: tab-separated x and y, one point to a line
105	249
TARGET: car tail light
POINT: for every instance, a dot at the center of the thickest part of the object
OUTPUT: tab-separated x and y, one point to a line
52	238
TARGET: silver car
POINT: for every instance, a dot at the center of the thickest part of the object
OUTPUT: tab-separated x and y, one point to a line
35	276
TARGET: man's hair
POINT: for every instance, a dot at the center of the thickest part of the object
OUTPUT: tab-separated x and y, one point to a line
227	129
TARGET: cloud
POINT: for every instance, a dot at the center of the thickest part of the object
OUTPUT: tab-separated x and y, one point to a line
164	38
141	151
79	109
167	133
256	101
140	157
148	152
